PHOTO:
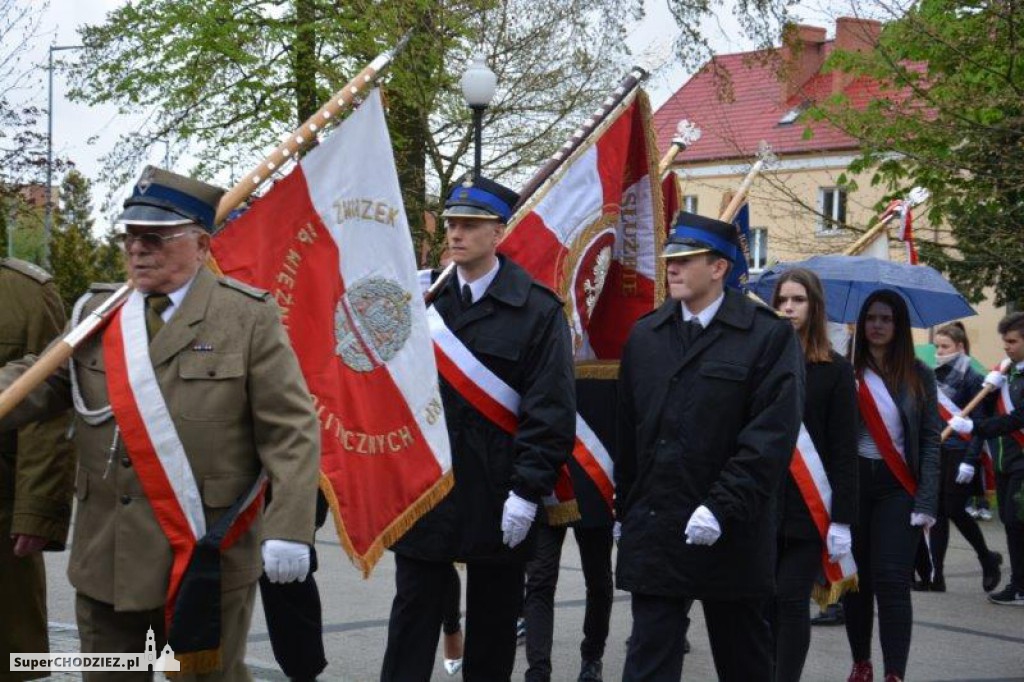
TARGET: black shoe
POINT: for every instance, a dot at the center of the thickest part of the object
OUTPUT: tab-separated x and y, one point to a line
590	671
922	585
1009	596
832	615
990	573
938	584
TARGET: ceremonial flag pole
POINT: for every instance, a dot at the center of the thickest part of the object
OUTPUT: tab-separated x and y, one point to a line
916	196
302	137
548	171
686	135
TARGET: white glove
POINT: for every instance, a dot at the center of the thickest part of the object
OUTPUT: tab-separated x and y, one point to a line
995	378
965	473
962	425
516	519
923	520
702	528
838	541
617	532
285	561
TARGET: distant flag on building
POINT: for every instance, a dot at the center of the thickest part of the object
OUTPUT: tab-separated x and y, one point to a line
332	244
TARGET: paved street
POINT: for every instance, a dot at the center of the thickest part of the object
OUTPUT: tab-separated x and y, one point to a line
957	635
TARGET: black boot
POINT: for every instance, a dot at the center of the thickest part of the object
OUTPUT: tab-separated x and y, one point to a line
590	671
990	573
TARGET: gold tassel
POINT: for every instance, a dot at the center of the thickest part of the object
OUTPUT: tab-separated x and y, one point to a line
827	594
563	513
394	531
197	662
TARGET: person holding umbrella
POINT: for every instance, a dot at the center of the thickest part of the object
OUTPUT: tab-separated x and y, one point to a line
898	448
830	419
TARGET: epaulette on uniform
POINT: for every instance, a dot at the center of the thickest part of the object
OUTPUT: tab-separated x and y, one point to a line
248	290
28	269
551	292
100	287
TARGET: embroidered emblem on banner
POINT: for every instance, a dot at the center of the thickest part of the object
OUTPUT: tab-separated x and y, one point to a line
372	323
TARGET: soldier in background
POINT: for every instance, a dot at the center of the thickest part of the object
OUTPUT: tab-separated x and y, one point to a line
36	472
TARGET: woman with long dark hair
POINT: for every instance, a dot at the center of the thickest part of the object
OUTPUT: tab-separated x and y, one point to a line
823	478
898	448
960	468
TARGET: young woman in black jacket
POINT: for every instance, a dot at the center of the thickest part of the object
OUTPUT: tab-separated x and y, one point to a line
959	468
898	448
830	418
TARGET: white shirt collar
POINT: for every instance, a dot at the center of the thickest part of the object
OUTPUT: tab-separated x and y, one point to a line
479	286
705	316
176	296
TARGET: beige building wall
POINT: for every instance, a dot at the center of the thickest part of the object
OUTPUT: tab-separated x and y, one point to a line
785	202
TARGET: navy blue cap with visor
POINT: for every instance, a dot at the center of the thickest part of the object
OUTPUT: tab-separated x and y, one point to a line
480	198
694	234
164	199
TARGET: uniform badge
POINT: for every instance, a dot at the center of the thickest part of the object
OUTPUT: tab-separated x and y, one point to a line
146	180
372	322
203	347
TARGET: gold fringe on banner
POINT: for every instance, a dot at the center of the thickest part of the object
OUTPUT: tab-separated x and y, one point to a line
563	513
197	662
827	594
395	530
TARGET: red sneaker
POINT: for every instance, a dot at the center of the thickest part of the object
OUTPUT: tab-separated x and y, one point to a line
861	672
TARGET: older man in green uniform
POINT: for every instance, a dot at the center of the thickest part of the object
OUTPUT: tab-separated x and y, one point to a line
36	471
187	400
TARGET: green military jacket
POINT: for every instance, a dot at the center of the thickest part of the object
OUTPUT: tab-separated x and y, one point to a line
37	462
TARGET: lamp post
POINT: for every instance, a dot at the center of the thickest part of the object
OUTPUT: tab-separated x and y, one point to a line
478	83
48	224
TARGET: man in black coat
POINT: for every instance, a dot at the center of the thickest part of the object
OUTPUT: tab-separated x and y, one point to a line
710	399
515	328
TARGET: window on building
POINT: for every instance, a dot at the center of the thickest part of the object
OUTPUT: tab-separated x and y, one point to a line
758	249
832	207
690	203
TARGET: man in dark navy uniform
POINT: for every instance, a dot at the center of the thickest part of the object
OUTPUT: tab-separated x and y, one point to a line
515	328
710	400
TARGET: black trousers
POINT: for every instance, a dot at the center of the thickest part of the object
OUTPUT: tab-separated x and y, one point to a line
738	632
294	616
595	546
1008	488
884	545
452	620
953	498
494	598
799	564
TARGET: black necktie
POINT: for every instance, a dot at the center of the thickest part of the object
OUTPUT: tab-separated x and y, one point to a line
691	330
467	296
156	304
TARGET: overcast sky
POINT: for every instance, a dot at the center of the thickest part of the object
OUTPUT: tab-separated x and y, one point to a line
84	134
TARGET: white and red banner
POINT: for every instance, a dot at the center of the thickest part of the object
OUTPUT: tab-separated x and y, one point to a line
593	233
808	471
332	243
948	409
1004	405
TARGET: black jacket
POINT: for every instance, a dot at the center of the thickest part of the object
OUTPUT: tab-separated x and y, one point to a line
518	331
921	430
830	415
713	424
1007	454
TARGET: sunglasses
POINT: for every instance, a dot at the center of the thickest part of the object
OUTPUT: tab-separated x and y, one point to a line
154	241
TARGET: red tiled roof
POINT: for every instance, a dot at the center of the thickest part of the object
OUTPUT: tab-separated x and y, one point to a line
733	127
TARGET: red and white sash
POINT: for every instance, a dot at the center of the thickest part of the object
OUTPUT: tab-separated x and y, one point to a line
948	409
1005	406
499	402
882	418
154	447
808	472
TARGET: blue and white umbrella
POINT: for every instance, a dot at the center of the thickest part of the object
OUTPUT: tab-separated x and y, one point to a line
848	280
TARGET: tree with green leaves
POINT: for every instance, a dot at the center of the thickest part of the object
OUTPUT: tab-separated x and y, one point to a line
949	117
228	79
